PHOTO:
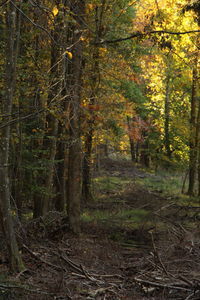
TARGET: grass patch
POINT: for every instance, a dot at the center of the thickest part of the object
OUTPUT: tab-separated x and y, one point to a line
168	184
135	215
110	184
124	218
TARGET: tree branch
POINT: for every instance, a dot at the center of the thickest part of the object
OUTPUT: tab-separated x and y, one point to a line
33	23
4	2
143	34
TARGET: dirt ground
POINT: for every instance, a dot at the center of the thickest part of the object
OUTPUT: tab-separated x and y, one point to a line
159	259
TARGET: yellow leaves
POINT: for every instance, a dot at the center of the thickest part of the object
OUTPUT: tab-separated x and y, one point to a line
102	51
69	54
55	11
89	7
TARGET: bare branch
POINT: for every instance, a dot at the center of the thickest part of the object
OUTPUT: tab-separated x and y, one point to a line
143	34
33	23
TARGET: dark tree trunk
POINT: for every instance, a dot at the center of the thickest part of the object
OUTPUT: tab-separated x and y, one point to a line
193	148
137	152
167	118
95	80
86	173
131	140
61	176
75	158
197	145
144	155
52	128
15	260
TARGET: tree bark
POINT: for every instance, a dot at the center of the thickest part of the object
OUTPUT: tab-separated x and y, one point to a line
94	85
15	260
52	121
167	117
193	148
75	158
131	141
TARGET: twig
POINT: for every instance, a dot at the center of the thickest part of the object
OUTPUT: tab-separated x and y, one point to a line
164	207
21	273
190	296
158	256
33	23
4	2
90	277
41	259
181	277
71	263
162	285
4	286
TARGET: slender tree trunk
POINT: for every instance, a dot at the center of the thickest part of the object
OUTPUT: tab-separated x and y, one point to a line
193	149
17	149
144	155
61	177
95	80
137	151
86	173
74	168
47	198
38	143
197	145
52	121
131	141
167	117
16	263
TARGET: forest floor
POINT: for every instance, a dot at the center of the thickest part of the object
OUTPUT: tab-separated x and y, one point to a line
140	240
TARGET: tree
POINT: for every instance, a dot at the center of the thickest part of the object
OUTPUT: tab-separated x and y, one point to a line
11	47
193	132
77	10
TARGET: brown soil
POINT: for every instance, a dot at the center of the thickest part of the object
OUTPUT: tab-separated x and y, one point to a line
157	261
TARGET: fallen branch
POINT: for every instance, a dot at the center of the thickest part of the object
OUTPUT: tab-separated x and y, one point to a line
25	288
41	259
162	285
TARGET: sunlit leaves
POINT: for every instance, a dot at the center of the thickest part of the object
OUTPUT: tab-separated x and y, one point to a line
69	54
55	11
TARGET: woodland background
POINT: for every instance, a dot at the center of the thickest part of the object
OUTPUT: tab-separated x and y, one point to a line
81	80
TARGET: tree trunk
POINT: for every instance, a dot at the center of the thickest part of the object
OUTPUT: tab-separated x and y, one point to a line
15	260
17	149
193	148
144	155
52	121
61	177
131	141
75	161
167	117
95	80
86	173
197	145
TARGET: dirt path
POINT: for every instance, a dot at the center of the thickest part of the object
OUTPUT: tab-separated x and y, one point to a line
136	247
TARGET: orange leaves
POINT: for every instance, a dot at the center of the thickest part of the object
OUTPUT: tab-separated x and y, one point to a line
91	107
136	128
134	78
